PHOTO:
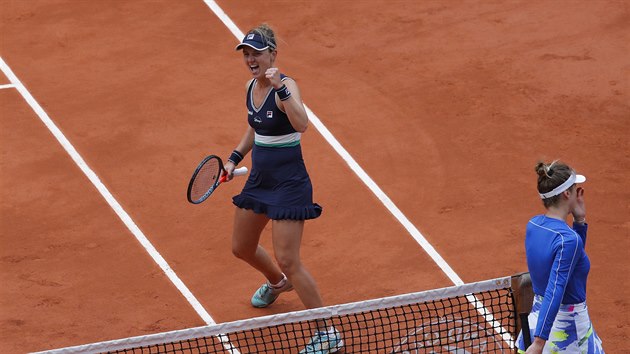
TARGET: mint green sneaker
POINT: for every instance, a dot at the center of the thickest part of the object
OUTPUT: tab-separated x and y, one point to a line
266	294
324	343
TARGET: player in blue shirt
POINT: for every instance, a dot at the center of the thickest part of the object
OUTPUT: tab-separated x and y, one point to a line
558	266
278	188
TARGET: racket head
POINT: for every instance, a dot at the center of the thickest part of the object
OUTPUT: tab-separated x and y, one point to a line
205	179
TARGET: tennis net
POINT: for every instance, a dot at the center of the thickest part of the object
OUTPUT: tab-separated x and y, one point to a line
471	318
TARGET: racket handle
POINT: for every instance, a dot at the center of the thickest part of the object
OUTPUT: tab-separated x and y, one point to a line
240	171
237	172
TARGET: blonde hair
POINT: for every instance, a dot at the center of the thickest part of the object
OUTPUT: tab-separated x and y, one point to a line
267	34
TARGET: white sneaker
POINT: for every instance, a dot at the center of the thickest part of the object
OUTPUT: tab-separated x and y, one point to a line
324	342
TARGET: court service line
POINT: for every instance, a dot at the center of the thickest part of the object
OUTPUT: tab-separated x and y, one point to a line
356	168
113	203
6	86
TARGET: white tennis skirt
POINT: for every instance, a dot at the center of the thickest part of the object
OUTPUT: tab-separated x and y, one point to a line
571	332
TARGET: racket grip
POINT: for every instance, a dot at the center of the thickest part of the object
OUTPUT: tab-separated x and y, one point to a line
237	172
240	171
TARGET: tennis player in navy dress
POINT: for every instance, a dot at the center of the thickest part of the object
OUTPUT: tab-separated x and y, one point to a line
278	185
558	265
278	188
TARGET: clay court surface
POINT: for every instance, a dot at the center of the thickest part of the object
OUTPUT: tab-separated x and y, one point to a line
447	106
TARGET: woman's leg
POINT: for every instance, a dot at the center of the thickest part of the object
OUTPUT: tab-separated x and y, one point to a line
287	237
247	229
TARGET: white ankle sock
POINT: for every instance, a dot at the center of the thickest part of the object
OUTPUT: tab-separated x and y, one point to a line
281	283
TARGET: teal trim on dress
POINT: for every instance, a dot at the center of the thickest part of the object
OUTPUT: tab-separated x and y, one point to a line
291	144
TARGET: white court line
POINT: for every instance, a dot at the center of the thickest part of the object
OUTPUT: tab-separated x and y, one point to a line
6	86
354	166
113	203
380	194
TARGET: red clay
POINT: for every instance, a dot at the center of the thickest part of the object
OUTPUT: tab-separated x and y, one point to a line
446	106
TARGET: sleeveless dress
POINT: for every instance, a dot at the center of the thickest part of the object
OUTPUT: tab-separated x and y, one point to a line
278	185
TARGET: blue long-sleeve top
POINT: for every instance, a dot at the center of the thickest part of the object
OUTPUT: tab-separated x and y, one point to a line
558	266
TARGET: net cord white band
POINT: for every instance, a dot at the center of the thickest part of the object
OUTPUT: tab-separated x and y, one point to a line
305	315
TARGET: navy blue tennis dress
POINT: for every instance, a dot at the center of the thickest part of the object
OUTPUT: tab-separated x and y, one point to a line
278	184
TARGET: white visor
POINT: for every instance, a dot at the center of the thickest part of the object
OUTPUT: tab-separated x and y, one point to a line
573	179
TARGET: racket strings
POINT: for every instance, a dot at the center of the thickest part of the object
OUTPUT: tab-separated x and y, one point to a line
205	179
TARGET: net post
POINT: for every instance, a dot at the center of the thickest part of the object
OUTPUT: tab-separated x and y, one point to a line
523	293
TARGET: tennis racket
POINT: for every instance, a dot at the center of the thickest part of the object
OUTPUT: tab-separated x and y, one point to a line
207	177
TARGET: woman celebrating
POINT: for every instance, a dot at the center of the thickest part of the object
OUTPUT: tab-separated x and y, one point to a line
278	188
558	266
